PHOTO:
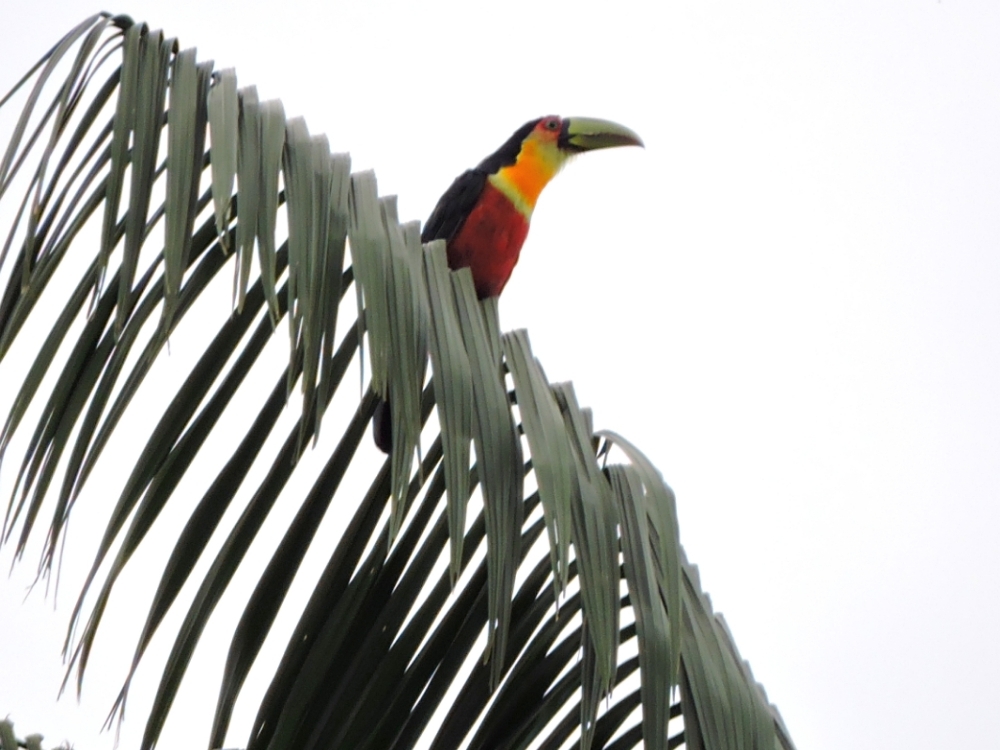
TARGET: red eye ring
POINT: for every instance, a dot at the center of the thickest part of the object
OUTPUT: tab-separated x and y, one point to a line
553	124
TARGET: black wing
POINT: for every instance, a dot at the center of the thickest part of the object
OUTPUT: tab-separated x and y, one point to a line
454	206
458	201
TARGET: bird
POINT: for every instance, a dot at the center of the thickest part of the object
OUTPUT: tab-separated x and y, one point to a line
484	216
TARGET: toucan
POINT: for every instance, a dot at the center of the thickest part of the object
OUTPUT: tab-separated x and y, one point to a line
484	216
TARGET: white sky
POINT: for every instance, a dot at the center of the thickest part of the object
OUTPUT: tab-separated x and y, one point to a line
788	300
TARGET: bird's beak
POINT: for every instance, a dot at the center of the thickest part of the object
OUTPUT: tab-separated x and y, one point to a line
588	133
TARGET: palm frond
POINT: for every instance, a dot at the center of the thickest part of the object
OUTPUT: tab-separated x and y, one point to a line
505	631
9	740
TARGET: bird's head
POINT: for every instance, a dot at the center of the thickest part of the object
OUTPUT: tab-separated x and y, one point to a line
540	148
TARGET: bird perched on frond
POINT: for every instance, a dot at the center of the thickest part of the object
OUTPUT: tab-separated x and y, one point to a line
485	214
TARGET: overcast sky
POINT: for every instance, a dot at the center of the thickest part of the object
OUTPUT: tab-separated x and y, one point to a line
789	300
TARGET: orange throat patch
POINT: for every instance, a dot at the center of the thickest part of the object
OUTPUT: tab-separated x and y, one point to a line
523	181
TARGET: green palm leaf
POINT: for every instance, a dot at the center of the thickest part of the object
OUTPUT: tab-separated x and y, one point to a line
505	631
9	740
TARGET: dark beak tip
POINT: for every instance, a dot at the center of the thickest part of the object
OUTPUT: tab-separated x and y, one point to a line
588	134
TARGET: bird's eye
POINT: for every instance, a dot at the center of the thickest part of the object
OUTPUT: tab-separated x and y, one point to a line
552	124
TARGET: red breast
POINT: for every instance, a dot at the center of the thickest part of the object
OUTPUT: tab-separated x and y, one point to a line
489	242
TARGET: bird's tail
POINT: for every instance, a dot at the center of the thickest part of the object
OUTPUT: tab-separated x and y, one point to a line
382	426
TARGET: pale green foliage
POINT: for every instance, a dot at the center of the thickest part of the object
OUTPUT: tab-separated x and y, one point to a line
385	632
